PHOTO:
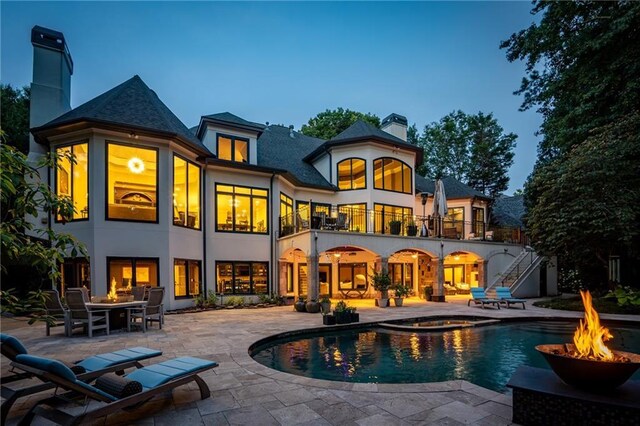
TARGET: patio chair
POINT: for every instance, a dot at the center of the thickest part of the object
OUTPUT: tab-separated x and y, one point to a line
115	392
139	293
56	311
79	314
153	311
463	288
504	294
480	298
87	369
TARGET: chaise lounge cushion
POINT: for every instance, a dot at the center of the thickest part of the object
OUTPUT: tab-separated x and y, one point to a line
11	347
118	386
158	374
101	361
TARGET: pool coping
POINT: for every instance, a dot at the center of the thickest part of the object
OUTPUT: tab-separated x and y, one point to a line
247	362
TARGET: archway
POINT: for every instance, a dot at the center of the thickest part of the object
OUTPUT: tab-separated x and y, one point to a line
343	271
462	271
414	268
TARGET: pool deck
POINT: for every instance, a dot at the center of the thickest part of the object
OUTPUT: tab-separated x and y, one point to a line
244	392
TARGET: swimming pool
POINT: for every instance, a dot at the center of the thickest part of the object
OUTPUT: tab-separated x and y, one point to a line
486	356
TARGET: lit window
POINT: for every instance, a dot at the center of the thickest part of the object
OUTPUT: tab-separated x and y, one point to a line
126	273
241	209
231	148
242	277
356	216
132	183
72	179
186	193
454	222
392	175
186	277
391	219
286	209
352	174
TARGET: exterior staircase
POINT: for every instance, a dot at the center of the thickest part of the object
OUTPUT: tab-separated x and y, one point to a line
520	269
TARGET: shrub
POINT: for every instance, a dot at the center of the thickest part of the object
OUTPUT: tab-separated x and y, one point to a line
625	296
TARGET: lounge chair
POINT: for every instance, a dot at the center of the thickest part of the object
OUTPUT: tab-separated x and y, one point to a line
504	294
87	369
115	392
480	298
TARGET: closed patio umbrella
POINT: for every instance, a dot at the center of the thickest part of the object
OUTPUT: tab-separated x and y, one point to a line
439	211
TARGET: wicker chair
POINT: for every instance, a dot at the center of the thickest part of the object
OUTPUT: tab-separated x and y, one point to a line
56	310
153	311
79	314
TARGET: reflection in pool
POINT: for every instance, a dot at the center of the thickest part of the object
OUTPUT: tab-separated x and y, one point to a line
486	356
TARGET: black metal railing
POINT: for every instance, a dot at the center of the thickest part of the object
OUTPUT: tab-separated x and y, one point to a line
351	219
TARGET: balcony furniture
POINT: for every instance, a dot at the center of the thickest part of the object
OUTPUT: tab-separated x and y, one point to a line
152	311
112	392
86	369
302	224
342	222
488	236
504	294
81	314
56	310
451	233
478	297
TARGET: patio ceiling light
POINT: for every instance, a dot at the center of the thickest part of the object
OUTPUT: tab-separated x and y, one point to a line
136	165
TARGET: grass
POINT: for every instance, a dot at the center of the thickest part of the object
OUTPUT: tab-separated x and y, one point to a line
603	306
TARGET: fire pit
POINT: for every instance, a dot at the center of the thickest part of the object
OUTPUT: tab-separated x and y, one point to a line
588	363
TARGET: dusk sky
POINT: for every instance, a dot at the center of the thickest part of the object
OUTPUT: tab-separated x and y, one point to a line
286	62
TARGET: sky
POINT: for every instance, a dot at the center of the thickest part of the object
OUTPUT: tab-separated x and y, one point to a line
286	62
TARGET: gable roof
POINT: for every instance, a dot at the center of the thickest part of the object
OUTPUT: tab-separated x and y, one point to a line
363	131
453	188
230	120
131	104
284	149
508	211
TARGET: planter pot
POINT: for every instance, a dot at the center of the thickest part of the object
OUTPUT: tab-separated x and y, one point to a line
398	301
395	228
412	231
355	317
382	303
342	317
328	320
313	307
299	306
325	307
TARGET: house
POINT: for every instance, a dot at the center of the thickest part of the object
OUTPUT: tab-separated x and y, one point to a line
244	208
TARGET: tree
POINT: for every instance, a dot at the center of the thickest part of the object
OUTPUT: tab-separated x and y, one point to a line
491	155
472	148
22	194
14	115
583	76
330	123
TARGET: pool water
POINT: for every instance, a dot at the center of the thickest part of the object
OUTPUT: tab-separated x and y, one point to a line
486	356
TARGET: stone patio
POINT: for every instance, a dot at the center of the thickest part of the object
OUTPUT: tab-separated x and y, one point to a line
245	392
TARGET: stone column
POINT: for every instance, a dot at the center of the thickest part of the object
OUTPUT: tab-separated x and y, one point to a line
282	277
482	274
438	290
312	277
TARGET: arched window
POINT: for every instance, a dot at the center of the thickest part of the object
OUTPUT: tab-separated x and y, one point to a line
392	175
352	174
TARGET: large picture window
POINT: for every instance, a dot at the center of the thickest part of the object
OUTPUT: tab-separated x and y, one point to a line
478	221
186	278
74	272
318	209
72	179
232	148
286	209
127	272
242	209
242	277
356	216
132	183
454	223
390	219
352	174
392	175
186	193
353	276
401	273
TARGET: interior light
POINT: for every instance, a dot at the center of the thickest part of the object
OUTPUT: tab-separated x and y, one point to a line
136	165
337	254
415	256
456	257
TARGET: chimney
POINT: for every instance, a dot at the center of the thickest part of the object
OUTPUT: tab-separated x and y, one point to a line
51	85
396	125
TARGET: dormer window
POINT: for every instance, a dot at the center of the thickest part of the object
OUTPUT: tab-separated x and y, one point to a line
390	174
232	148
352	174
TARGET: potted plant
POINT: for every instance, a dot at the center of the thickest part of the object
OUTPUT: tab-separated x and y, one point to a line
299	306
328	319
325	303
412	228
340	312
312	306
400	292
355	317
395	226
428	292
381	283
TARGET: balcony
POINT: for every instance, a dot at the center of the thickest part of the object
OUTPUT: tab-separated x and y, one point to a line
348	219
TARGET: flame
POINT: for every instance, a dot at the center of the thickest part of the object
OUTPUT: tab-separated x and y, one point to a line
590	336
112	295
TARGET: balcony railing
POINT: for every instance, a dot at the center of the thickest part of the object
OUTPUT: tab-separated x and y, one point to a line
349	219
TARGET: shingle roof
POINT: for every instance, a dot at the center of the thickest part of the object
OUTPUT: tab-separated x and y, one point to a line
232	119
279	150
361	131
508	211
453	188
131	103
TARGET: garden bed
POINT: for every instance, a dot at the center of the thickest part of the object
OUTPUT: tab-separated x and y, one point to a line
602	305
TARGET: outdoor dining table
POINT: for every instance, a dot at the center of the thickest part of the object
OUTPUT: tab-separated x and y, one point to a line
117	311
